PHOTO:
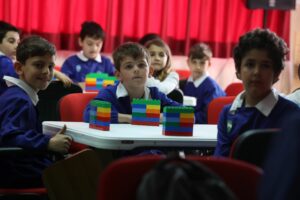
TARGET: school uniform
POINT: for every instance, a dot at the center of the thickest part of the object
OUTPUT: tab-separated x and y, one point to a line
167	85
6	68
78	66
117	95
20	127
204	89
237	118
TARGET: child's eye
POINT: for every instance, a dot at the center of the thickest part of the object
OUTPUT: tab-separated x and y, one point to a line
249	64
142	65
39	65
51	67
162	54
128	66
152	54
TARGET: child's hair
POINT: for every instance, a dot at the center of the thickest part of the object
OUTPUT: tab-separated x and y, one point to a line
163	73
262	39
200	51
34	46
129	49
6	27
91	29
147	37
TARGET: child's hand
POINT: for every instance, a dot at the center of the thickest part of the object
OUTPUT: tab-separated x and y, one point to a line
60	143
63	78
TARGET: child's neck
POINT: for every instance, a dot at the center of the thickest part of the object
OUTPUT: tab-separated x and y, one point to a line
136	93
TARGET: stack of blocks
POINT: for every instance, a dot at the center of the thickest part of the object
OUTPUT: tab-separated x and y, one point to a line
95	81
145	112
100	115
178	121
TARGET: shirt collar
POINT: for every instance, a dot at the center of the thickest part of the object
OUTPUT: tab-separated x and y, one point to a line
82	57
2	54
10	81
265	106
122	92
198	81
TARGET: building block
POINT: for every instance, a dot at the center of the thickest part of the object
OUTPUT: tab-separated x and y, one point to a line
95	81
100	113
178	121
145	112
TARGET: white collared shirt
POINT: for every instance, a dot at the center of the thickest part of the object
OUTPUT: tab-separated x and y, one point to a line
2	54
265	106
122	92
10	81
198	81
82	57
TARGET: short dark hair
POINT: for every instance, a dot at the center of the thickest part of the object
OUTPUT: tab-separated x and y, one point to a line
6	27
34	46
147	37
200	51
91	29
129	49
262	39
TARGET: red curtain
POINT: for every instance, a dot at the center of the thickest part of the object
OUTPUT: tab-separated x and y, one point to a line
180	23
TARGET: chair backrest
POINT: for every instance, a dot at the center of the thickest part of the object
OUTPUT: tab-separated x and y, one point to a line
215	107
75	177
121	178
49	98
71	107
176	95
234	89
253	145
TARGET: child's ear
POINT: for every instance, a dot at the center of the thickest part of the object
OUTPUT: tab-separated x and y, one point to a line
18	68
80	42
118	75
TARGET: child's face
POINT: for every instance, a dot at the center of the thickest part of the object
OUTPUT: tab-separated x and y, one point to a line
198	66
91	47
9	44
133	73
257	74
158	57
37	71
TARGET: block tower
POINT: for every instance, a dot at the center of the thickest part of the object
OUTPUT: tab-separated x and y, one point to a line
145	112
100	115
178	121
95	81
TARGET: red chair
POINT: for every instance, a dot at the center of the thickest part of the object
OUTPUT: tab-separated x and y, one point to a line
215	107
234	89
121	178
183	73
71	108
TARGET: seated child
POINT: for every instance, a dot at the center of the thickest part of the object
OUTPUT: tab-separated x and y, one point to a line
199	84
132	69
89	60
259	60
20	126
162	76
9	40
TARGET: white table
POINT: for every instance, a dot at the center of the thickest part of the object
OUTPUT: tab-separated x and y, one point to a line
127	136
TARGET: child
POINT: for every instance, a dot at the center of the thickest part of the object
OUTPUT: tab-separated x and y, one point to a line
162	77
132	69
199	84
9	39
19	118
89	60
259	59
147	37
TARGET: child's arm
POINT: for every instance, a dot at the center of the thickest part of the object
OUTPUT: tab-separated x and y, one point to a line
124	118
59	142
63	78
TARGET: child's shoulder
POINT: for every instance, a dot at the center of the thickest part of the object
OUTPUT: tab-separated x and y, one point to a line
14	94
